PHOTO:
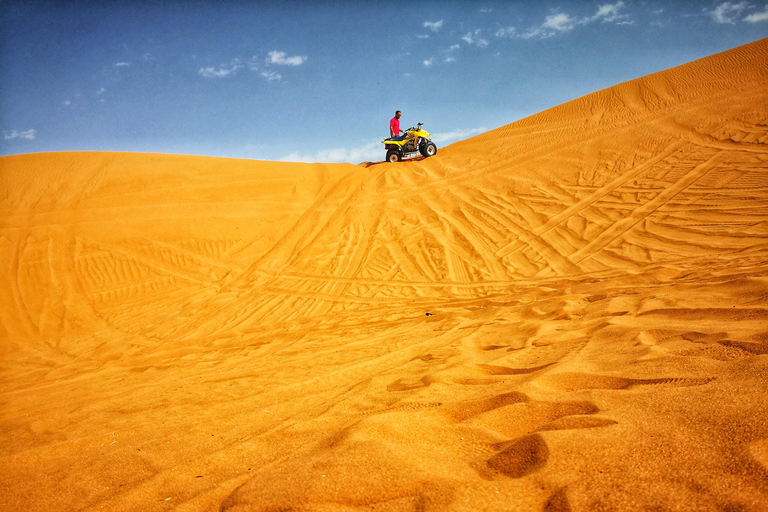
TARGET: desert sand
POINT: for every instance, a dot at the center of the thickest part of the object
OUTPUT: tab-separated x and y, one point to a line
568	313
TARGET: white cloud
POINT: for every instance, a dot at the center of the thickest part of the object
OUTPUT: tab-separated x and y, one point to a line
221	72
609	13
537	32
458	134
271	75
122	64
727	12
282	58
367	152
100	91
450	59
454	47
423	36
561	22
506	32
758	16
224	70
428	62
471	38
434	26
16	134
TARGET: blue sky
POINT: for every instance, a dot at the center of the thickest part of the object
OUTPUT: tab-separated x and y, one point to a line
319	81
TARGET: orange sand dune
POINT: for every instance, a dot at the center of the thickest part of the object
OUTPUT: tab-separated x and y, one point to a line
568	313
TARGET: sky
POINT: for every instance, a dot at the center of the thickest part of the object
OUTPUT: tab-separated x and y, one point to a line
319	81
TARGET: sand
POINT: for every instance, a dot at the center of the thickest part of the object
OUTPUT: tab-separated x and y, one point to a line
568	313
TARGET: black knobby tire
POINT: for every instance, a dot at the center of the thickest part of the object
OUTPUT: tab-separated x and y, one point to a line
428	149
393	156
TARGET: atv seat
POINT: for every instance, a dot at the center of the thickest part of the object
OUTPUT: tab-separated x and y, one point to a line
399	137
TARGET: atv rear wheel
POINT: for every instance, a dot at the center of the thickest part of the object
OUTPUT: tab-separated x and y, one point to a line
393	156
428	149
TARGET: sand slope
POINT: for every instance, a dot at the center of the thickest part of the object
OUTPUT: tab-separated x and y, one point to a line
568	313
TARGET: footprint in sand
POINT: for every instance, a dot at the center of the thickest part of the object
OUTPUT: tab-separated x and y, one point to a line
491	369
759	452
424	357
519	457
517	417
486	348
405	384
558	502
495	370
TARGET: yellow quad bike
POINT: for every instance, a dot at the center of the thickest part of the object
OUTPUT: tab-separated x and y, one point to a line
414	140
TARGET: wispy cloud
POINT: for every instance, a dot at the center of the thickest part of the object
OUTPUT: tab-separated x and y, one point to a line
562	22
758	16
366	152
223	71
16	134
282	59
728	12
473	38
458	134
610	13
213	72
506	32
122	64
434	26
428	62
271	75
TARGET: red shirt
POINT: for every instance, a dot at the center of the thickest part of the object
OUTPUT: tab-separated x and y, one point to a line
394	127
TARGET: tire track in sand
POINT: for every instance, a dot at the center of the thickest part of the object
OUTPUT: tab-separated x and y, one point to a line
595	196
638	214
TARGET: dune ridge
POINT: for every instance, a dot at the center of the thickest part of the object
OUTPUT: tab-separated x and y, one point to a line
563	314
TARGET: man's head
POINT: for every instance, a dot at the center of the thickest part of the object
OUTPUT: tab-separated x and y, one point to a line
397	114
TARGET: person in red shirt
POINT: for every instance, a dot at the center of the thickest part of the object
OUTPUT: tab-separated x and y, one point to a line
394	125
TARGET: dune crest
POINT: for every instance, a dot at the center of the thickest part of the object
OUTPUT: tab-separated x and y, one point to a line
567	313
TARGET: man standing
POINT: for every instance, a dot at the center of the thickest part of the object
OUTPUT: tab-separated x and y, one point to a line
394	125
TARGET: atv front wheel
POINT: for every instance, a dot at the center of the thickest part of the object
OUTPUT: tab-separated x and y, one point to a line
428	149
393	156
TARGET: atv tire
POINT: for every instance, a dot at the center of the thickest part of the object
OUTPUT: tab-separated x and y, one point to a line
393	156
428	149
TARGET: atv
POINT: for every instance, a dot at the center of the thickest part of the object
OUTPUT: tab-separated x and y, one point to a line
414	140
